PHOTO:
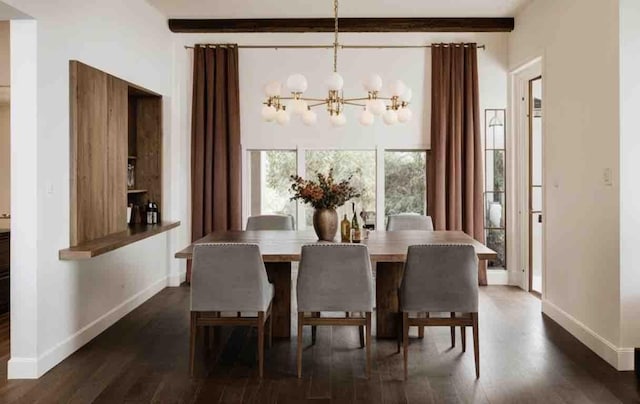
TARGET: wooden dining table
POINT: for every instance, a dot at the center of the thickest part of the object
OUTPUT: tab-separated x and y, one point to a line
388	252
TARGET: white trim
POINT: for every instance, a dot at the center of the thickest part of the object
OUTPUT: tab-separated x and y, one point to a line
620	358
22	368
380	188
176	279
518	226
32	368
497	277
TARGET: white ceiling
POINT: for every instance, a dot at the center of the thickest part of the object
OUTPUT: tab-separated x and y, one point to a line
348	8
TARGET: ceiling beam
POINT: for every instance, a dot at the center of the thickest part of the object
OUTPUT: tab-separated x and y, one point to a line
346	25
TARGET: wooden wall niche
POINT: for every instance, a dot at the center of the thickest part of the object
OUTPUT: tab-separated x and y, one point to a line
112	122
145	147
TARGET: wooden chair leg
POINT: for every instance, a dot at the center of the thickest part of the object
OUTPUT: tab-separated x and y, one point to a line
270	330
299	354
361	331
192	342
420	329
399	333
368	344
463	335
261	343
314	329
405	342
207	337
453	332
476	343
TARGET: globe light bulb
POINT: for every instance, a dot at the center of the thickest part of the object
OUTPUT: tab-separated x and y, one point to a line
366	118
335	82
297	107
404	115
338	120
282	117
297	83
390	117
397	88
269	113
376	107
309	117
273	89
372	82
406	96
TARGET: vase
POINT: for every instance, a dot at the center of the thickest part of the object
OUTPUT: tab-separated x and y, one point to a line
325	223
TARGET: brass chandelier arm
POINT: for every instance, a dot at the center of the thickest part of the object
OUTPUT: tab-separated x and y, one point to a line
353	103
317	104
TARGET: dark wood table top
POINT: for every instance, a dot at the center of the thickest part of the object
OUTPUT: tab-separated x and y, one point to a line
284	246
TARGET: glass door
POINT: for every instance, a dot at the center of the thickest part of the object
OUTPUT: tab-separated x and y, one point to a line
535	185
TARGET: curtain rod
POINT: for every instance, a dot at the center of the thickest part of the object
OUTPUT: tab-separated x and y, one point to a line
328	46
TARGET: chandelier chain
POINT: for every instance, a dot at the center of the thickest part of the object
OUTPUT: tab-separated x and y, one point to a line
335	39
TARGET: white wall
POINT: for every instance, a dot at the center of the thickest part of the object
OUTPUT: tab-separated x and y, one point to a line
5	134
258	66
77	300
629	169
578	41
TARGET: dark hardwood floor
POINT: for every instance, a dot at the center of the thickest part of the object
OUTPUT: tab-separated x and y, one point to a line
525	358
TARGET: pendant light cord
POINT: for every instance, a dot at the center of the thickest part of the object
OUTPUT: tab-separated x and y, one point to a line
335	40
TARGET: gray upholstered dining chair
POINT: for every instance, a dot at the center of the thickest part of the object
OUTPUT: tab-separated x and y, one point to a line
409	222
270	222
334	278
413	222
230	277
440	278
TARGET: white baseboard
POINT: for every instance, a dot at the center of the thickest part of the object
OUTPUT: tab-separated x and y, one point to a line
22	368
620	358
176	279
497	277
31	368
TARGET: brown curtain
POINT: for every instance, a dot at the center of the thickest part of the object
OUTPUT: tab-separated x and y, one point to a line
215	141
455	180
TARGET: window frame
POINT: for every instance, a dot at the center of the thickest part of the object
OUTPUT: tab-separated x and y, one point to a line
301	151
487	228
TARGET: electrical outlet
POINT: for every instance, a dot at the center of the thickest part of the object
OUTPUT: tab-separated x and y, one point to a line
607	177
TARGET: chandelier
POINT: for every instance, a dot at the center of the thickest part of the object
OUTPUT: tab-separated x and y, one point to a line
393	109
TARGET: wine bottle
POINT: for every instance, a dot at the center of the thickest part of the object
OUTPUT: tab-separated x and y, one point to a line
156	214
355	227
149	212
345	230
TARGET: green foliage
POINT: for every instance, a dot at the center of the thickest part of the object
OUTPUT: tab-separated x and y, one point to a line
405	182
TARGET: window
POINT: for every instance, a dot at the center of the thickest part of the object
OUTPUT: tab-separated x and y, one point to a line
269	172
495	185
405	182
361	165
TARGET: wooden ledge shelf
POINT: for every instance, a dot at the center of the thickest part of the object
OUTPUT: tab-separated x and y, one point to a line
112	242
136	191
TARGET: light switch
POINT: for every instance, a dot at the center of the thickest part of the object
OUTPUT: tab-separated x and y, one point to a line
607	177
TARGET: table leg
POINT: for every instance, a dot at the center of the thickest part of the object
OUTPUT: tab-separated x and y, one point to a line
279	274
388	277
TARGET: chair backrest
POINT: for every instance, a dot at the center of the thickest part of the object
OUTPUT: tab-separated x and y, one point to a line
409	222
335	277
270	222
229	277
440	278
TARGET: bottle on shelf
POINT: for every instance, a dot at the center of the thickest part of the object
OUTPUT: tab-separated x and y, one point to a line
345	230
355	226
156	214
149	211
